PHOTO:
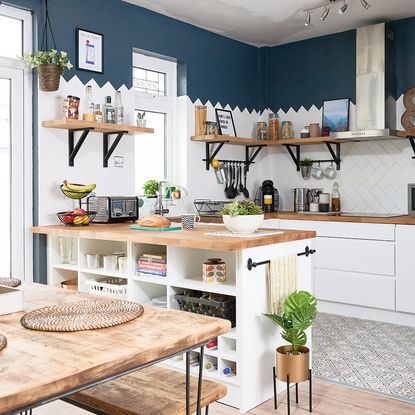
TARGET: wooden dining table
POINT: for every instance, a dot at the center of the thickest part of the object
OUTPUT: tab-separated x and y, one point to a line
38	367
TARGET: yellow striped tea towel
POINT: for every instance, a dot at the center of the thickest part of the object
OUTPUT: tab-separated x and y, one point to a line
282	278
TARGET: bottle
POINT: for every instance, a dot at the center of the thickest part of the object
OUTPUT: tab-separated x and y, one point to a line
89	105
98	113
335	198
109	110
119	109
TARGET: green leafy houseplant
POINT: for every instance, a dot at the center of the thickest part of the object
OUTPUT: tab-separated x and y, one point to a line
306	162
300	310
244	207
151	187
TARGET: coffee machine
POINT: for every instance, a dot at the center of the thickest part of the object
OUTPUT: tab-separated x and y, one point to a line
267	197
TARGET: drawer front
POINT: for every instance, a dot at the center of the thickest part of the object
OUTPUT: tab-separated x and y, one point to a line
355	255
271	224
352	288
380	232
304	225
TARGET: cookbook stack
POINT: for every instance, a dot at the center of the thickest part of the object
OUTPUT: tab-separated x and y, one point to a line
153	264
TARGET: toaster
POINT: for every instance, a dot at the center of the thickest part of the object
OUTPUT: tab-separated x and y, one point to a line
111	209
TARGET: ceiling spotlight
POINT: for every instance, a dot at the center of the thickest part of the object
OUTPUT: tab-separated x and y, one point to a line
325	13
307	19
365	4
343	8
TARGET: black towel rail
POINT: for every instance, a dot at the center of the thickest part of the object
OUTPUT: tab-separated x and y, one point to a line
251	264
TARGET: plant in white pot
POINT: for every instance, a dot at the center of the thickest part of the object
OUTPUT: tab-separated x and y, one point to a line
242	216
50	65
300	310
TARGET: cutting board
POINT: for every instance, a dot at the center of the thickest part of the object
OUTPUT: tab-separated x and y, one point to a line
146	228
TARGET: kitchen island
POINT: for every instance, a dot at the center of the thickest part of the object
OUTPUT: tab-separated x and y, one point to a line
248	350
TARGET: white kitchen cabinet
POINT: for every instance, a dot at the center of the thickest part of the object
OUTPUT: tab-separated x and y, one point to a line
352	230
271	224
405	270
356	255
355	288
305	225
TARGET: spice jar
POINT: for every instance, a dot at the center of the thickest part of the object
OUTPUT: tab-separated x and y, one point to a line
214	271
287	130
273	127
261	130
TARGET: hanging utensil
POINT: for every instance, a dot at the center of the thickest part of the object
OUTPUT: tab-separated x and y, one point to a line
241	186
245	191
238	171
228	190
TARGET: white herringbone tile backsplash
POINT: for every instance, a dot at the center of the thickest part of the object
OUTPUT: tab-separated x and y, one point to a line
373	176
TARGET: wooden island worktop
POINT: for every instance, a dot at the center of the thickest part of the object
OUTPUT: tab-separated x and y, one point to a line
195	238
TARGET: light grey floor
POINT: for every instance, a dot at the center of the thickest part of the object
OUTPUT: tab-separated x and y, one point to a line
365	354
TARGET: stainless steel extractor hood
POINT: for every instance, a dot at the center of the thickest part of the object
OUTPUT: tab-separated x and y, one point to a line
375	86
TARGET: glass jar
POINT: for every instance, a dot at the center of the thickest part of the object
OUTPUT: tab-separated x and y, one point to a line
273	127
287	130
261	130
71	107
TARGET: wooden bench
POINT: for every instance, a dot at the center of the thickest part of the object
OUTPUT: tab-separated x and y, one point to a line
150	391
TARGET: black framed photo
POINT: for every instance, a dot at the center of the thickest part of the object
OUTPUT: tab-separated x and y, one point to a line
335	116
89	51
226	125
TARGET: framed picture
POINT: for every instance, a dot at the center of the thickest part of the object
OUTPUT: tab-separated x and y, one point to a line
89	51
226	125
335	116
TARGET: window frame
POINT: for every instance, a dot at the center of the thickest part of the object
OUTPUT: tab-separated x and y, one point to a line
165	104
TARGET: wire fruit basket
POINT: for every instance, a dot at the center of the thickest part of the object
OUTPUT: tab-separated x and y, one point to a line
76	219
207	207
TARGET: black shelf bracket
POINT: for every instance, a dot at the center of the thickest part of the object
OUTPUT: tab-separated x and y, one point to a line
210	156
411	140
107	151
74	148
249	158
297	156
335	154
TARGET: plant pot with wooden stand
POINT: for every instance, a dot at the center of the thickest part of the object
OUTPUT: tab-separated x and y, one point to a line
293	361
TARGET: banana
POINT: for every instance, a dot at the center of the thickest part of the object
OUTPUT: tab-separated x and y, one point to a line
79	187
78	220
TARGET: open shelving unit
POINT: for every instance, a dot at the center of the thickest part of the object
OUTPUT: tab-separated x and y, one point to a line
86	127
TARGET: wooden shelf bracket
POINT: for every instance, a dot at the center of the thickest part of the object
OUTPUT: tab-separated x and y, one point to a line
74	148
107	151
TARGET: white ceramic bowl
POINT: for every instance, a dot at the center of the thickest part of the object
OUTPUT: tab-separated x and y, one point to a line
243	223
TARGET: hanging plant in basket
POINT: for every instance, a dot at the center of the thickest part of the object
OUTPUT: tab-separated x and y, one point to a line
50	65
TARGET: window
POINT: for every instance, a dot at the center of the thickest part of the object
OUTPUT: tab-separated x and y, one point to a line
155	86
11	33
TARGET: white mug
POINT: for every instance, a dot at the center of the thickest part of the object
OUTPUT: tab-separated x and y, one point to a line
93	261
317	172
189	220
330	172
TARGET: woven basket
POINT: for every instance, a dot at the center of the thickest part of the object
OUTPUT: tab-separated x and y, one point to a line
49	77
109	286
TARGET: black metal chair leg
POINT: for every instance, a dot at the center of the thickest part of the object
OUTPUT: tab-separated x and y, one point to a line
310	391
296	393
187	383
288	394
207	410
200	382
275	388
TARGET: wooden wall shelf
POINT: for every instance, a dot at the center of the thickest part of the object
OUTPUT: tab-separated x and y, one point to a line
86	126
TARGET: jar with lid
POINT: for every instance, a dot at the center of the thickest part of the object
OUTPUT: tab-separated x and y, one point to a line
335	198
261	130
214	271
287	130
273	126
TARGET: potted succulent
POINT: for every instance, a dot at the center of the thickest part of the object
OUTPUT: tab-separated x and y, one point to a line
300	310
242	216
151	187
305	167
50	65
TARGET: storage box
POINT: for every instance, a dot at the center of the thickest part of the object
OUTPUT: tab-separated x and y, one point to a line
11	300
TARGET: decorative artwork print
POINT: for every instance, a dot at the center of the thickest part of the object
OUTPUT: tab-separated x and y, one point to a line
335	116
226	125
90	51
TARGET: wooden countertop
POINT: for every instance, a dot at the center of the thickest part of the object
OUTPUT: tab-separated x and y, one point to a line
397	220
39	365
195	238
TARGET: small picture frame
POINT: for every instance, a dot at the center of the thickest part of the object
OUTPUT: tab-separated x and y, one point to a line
89	51
335	116
226	125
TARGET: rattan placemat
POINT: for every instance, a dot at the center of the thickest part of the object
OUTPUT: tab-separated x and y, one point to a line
3	342
10	282
82	315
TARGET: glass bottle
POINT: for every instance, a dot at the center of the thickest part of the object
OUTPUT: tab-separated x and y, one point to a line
89	105
335	198
98	113
109	110
119	108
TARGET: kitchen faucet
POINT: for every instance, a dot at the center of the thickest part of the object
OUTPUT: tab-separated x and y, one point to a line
160	210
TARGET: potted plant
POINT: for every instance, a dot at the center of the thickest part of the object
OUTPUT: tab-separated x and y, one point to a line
305	167
50	65
151	187
300	310
242	216
141	122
